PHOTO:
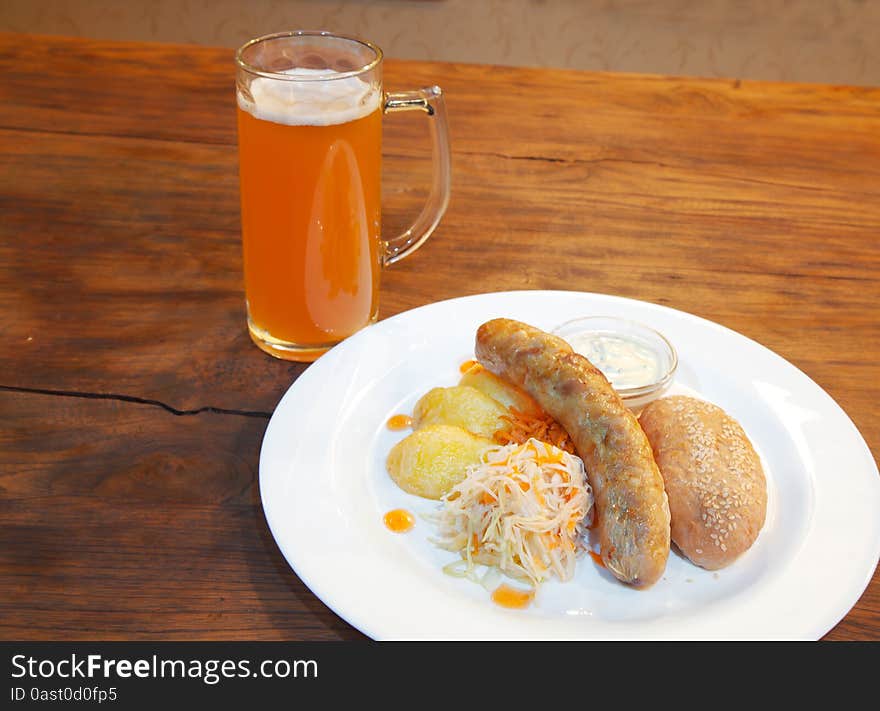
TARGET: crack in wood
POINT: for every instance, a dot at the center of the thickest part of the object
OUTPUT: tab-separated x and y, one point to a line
138	400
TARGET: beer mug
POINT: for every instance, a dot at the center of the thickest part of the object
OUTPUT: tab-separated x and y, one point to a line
310	107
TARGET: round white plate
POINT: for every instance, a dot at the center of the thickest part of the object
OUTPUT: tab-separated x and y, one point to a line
325	490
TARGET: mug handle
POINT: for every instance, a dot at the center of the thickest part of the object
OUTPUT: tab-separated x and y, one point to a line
430	101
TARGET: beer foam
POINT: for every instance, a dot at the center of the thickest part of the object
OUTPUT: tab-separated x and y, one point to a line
310	103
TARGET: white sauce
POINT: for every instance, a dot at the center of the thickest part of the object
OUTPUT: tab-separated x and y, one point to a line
626	362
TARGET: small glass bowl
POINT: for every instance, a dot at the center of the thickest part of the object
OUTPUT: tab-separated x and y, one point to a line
603	338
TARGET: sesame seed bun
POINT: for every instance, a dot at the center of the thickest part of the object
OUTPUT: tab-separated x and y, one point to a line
713	478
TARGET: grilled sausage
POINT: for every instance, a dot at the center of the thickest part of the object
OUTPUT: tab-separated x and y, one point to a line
632	512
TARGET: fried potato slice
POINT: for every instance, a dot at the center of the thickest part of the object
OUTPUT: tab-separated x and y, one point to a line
433	459
462	406
500	390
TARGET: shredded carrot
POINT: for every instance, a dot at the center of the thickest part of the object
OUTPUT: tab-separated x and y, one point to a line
523	426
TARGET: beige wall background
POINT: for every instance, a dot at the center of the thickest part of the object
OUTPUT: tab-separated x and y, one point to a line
829	41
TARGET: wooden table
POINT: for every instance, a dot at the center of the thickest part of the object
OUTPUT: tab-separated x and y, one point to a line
132	403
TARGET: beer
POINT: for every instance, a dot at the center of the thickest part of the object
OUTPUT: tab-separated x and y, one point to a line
310	108
310	170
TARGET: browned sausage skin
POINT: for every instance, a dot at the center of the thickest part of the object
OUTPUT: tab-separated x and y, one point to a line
632	513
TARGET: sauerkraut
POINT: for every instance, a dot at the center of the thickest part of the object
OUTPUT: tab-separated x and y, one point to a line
523	510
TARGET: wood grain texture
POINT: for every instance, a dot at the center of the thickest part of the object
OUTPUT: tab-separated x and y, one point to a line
133	403
124	521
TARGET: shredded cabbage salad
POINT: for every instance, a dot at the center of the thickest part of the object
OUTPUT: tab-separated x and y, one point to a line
523	510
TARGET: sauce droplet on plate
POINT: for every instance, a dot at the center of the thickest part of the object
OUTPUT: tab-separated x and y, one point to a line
399	422
507	596
399	520
597	559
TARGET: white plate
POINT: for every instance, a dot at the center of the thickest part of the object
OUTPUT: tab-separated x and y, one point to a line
325	490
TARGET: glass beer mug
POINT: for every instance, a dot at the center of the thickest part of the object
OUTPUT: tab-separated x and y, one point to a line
310	107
